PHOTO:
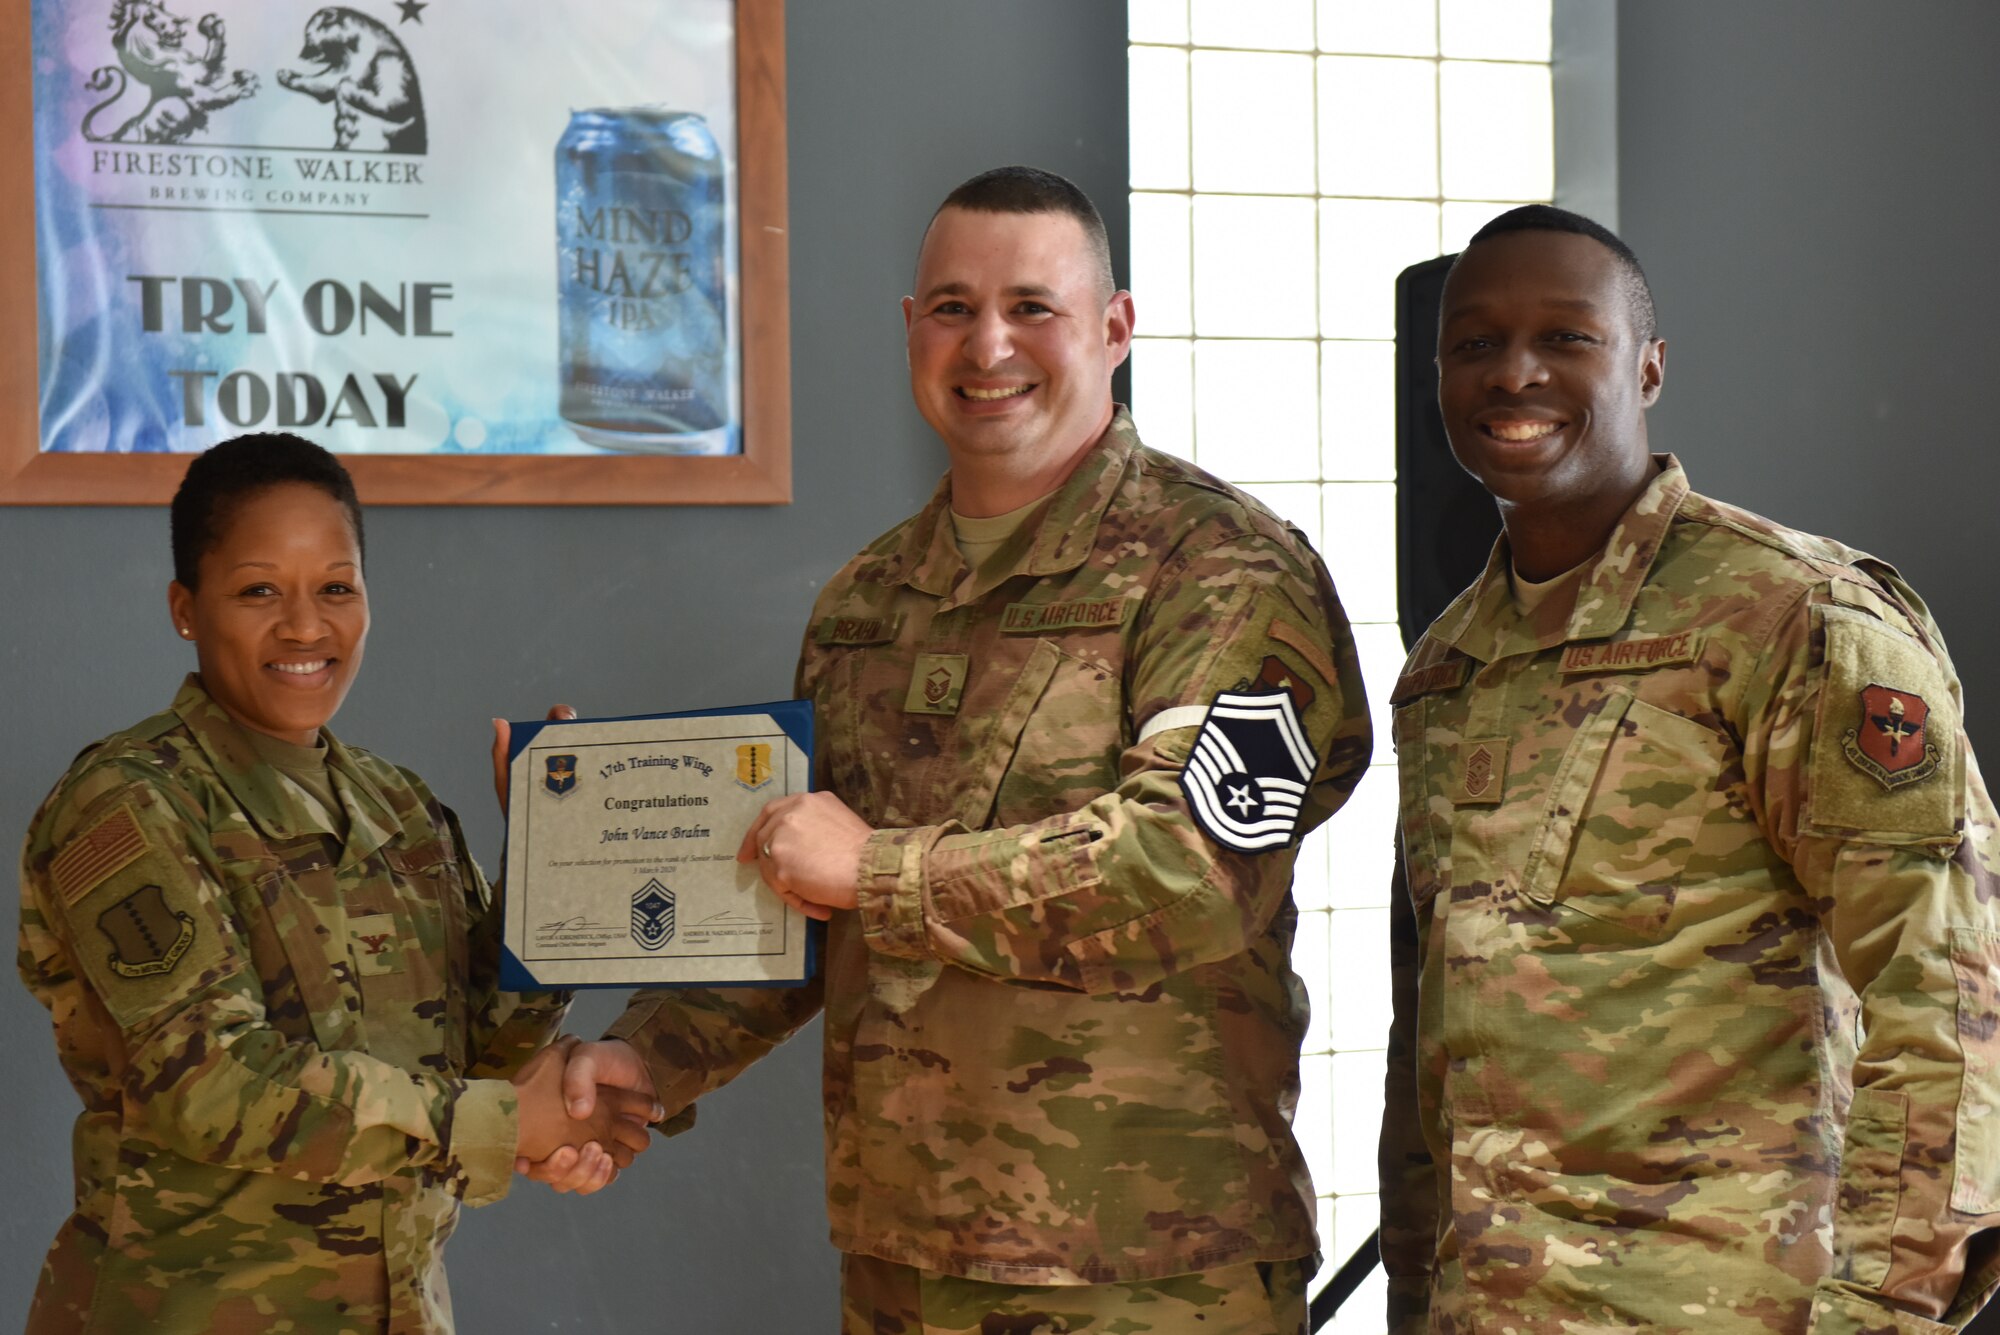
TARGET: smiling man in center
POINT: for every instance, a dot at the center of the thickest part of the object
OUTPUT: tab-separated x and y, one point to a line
1073	719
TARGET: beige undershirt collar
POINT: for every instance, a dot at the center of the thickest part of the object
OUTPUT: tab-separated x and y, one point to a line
980	537
305	767
1529	595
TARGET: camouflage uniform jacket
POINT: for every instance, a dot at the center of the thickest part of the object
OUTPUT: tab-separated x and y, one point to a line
1698	971
1062	1033
290	1050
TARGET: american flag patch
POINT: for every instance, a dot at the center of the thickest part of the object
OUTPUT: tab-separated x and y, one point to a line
112	843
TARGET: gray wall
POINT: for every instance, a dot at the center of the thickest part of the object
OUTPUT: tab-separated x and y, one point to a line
1811	186
485	612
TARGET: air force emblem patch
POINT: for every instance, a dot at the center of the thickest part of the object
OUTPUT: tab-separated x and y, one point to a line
653	915
1246	777
561	776
1890	746
148	937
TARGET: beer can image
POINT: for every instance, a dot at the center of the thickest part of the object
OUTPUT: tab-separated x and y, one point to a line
644	318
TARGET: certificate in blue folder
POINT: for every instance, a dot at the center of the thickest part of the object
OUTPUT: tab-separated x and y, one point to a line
621	850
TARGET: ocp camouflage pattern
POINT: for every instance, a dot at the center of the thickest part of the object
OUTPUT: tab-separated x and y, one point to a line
1062	1032
1245	1298
280	1124
1696	1016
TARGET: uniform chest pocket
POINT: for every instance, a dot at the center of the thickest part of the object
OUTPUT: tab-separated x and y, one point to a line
1622	814
414	988
292	913
839	758
1418	825
1054	741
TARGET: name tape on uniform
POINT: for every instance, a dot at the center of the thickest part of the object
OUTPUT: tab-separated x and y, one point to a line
1633	655
858	629
1437	677
1026	618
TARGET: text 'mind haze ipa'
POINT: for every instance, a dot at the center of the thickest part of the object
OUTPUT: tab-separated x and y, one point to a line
644	351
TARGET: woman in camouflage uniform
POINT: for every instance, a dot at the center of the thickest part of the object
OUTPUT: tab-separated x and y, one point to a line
272	964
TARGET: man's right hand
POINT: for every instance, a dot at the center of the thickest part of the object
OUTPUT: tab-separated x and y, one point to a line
614	1064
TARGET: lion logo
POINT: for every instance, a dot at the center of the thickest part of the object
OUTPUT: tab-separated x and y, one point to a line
182	88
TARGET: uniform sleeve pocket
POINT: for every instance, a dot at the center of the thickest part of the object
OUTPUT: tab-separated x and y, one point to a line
1975	959
1871	1175
1622	815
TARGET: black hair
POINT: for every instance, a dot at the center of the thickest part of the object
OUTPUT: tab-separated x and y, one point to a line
1032	190
1549	218
224	476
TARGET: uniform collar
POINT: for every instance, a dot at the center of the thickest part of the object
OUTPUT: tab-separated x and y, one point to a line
255	786
1057	539
1485	623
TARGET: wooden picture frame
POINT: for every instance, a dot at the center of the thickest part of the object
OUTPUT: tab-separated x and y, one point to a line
761	474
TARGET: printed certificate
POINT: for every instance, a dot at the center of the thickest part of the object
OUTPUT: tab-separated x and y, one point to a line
621	850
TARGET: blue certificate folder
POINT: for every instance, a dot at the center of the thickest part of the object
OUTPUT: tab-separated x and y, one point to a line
572	771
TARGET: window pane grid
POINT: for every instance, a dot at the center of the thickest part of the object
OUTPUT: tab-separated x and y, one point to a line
1290	159
1335	51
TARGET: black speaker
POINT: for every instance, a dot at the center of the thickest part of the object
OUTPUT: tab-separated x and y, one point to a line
1445	521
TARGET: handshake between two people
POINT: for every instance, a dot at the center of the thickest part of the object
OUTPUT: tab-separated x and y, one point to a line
585	1113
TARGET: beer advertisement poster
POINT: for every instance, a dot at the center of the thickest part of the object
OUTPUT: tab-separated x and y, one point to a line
398	227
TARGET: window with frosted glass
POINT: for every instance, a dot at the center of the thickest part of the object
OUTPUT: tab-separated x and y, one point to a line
1289	159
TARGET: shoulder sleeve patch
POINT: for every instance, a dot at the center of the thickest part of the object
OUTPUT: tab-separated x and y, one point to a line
146	932
104	849
1888	761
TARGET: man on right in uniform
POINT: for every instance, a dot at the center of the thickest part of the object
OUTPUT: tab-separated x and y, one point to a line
1698	968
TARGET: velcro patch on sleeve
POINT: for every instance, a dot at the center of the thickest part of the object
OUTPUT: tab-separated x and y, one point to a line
1888	761
146	931
101	851
1247	774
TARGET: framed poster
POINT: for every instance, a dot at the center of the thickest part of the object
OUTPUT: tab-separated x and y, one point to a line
490	251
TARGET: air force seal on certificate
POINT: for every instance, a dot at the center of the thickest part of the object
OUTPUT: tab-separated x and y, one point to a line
1246	777
560	775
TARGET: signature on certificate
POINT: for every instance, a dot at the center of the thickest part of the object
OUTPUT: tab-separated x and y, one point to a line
577	924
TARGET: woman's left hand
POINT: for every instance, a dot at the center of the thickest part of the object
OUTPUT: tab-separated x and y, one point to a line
503	734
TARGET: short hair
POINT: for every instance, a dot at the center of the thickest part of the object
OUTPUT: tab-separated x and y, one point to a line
223	477
1549	218
1032	190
